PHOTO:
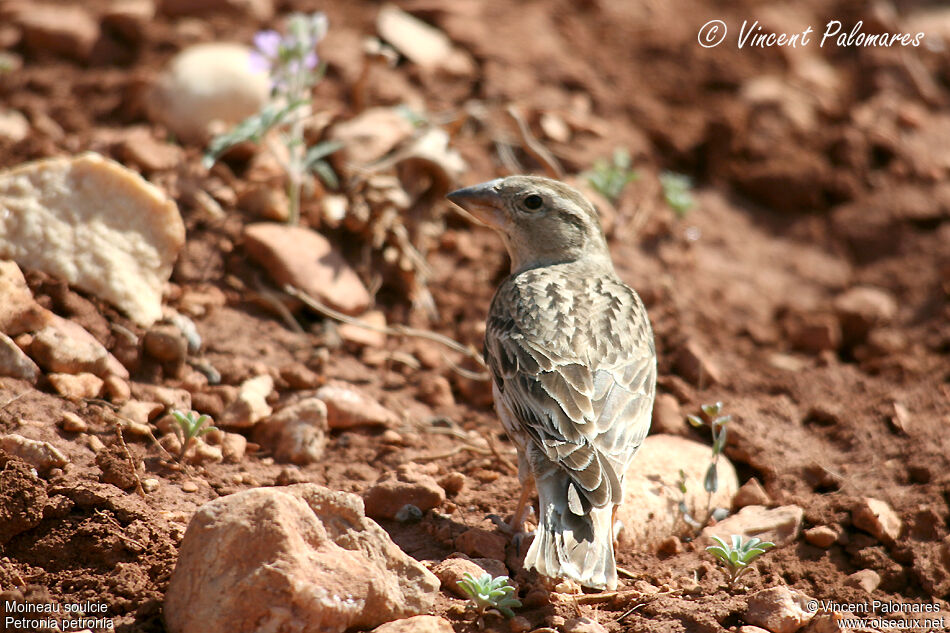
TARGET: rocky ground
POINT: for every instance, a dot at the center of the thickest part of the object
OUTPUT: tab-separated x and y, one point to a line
806	288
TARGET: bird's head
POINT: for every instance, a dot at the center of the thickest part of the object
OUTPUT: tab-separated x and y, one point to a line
542	221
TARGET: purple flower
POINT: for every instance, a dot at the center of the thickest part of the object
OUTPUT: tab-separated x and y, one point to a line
268	43
288	58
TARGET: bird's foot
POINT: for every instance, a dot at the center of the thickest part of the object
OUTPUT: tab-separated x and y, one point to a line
503	526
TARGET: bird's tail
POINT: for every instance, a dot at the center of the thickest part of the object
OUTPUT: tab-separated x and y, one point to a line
568	545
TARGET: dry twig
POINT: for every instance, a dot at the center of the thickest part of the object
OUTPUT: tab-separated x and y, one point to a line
392	330
534	147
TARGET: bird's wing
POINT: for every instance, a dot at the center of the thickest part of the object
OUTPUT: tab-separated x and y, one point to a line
579	376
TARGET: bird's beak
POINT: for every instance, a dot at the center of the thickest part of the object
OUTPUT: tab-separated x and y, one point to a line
481	202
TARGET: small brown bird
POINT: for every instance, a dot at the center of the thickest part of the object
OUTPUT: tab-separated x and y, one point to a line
571	353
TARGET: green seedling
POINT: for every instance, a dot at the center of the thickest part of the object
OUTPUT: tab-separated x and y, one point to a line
737	556
488	593
610	177
718	426
677	189
190	426
292	64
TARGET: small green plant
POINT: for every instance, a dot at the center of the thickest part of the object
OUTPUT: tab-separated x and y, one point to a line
718	425
487	593
683	509
190	426
610	177
677	189
738	555
292	63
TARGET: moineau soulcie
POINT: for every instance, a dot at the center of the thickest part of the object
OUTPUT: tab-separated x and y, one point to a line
572	356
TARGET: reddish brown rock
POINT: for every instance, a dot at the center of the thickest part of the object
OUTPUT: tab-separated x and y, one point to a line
67	30
779	610
308	556
303	258
482	543
405	485
347	407
19	312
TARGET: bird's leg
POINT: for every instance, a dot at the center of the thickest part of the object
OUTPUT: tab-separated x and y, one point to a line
517	519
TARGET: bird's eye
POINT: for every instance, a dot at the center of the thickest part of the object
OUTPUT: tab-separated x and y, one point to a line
533	202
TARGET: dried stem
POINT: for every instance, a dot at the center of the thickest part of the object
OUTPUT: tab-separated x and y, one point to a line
534	147
393	330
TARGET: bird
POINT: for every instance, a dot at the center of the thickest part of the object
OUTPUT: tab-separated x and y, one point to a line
572	358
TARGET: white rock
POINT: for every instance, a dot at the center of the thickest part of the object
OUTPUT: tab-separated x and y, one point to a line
422	43
95	224
297	434
877	518
40	455
250	406
780	525
778	609
416	624
14	127
14	363
309	558
649	511
206	89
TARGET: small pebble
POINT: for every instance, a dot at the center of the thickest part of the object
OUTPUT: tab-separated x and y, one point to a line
669	546
821	536
72	423
519	624
189	486
95	444
150	484
452	483
391	437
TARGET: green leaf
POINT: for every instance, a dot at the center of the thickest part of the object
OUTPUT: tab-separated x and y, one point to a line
253	128
711	481
320	151
720	442
695	420
711	410
323	169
